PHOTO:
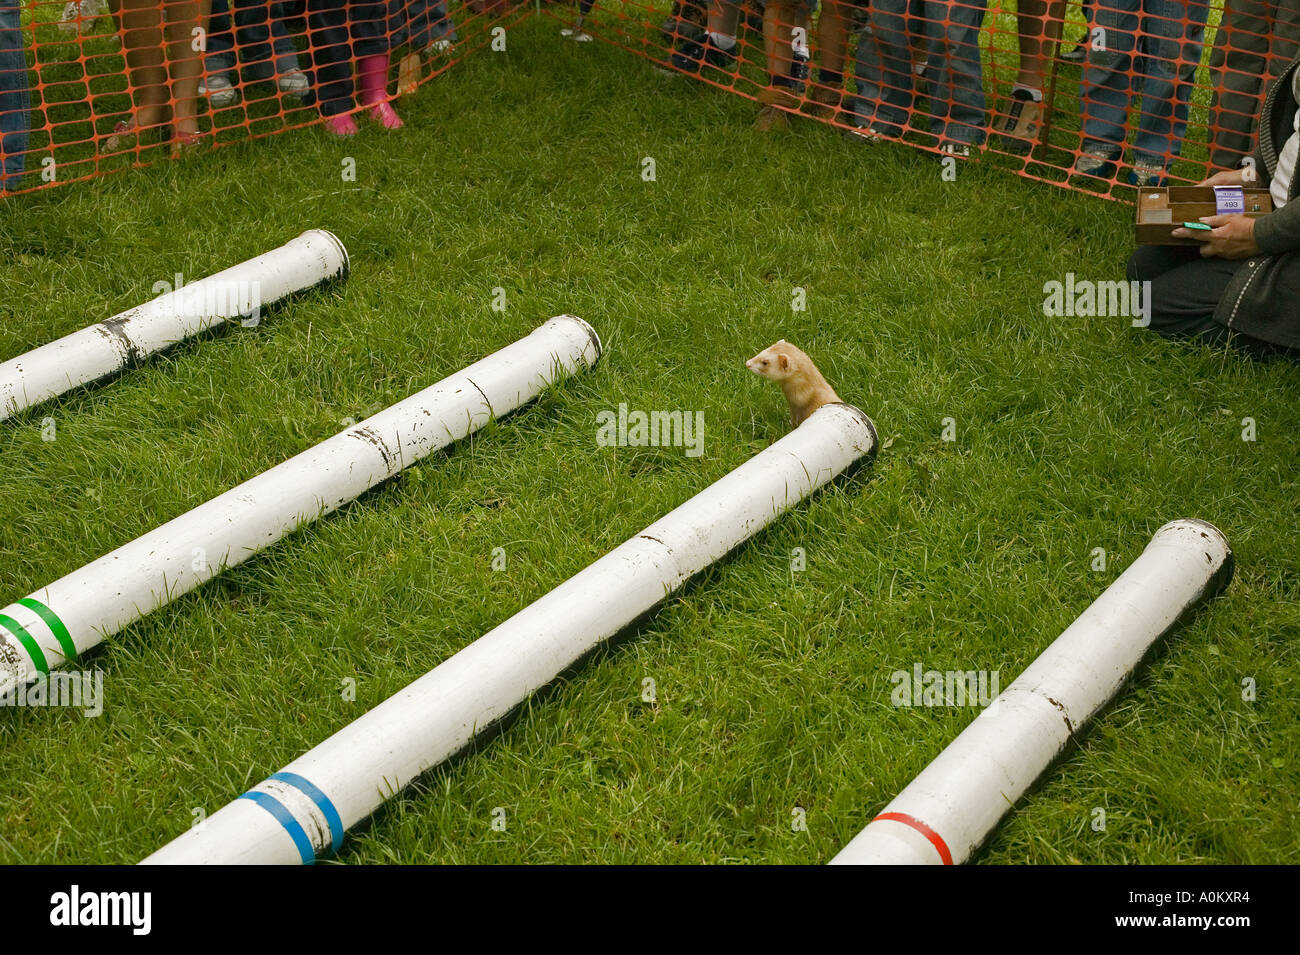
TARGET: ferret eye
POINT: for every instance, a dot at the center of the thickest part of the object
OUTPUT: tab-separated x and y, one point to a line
764	362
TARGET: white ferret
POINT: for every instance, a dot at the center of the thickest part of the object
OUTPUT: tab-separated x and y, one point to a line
805	388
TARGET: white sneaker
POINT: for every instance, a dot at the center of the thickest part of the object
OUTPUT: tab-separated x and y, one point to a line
864	134
294	82
88	10
1147	173
1092	162
218	90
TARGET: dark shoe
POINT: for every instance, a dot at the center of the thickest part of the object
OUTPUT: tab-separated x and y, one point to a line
688	56
799	69
718	58
691	55
1079	52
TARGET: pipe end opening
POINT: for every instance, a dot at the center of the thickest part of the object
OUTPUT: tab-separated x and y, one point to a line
346	269
590	332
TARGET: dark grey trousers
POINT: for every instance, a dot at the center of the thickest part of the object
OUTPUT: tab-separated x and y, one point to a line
1185	291
1257	40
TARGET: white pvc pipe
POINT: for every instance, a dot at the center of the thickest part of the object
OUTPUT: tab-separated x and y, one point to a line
124	340
944	814
304	809
80	610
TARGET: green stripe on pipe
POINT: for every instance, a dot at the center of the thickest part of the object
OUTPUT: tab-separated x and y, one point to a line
54	623
33	648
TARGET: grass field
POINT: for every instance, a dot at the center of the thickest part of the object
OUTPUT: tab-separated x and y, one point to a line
522	170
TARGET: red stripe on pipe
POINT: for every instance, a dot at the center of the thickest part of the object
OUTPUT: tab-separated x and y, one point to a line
935	839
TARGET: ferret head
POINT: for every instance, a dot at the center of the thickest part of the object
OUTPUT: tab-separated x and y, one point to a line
776	362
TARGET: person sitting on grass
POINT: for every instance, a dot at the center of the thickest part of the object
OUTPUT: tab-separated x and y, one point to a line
1238	288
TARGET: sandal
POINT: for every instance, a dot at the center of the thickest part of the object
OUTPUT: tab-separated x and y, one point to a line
186	143
126	134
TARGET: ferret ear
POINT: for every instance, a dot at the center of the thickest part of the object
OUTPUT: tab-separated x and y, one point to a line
782	342
783	361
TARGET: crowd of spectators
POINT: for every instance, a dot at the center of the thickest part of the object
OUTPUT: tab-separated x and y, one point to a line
1139	62
179	54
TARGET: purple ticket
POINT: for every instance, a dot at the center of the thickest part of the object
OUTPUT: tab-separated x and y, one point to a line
1229	200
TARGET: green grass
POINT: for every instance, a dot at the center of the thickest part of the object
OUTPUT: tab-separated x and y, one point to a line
521	170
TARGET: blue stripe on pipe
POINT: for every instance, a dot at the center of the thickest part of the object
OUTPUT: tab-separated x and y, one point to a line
285	818
314	793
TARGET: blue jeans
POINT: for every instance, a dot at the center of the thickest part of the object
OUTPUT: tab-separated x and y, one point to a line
883	68
420	22
341	31
1148	37
256	23
14	98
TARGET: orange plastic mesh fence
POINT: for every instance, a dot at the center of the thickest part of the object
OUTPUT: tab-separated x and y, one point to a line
1096	96
90	87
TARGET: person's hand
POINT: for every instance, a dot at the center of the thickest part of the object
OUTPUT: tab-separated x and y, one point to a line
1230	237
1229	177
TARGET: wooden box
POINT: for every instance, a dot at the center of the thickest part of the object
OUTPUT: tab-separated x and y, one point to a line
1161	210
